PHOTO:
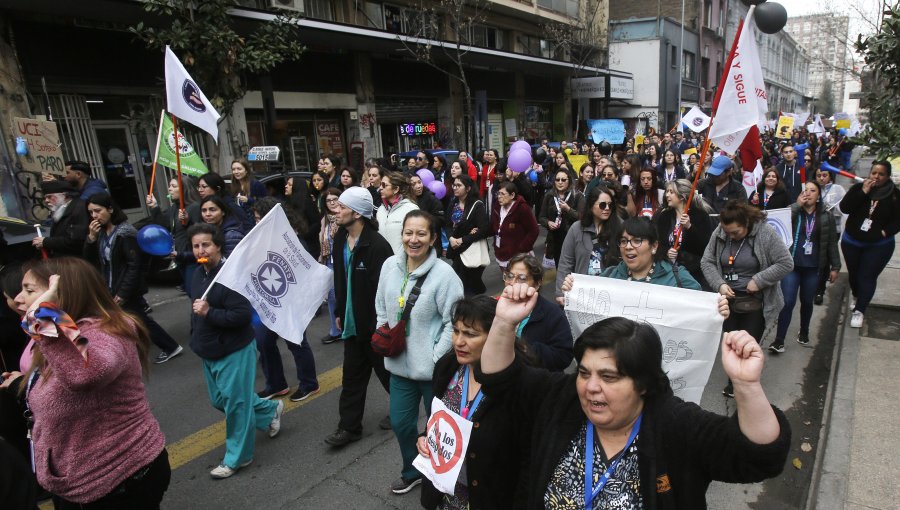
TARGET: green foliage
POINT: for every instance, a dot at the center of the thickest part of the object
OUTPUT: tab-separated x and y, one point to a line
882	56
218	54
825	102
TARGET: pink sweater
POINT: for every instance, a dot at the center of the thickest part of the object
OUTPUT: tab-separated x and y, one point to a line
92	422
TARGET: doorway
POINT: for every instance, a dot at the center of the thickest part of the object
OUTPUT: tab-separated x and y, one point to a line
127	164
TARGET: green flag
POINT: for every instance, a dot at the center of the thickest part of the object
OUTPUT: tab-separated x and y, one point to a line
191	164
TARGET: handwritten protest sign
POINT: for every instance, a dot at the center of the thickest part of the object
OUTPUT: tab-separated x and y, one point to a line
42	139
447	436
688	323
611	130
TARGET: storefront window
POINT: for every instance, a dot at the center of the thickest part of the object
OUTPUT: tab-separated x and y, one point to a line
303	137
538	122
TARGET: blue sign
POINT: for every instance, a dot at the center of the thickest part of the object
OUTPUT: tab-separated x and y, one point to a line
611	130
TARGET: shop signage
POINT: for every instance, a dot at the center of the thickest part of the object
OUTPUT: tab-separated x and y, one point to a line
419	128
589	88
328	135
264	153
621	88
42	140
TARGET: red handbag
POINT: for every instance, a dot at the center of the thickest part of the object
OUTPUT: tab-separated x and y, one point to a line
391	341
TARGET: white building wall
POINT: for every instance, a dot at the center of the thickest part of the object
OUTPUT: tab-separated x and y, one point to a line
641	58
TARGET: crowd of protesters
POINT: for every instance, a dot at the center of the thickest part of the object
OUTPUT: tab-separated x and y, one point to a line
402	251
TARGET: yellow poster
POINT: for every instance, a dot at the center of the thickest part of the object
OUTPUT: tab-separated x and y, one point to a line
785	127
843	123
638	141
577	161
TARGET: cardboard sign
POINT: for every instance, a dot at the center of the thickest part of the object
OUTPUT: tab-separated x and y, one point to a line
44	150
447	436
785	128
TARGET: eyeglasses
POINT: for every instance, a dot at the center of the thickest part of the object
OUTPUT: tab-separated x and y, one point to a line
635	242
562	180
518	278
330	200
456	185
604	205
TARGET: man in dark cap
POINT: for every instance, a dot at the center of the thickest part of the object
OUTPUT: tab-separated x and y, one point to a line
69	219
719	187
78	174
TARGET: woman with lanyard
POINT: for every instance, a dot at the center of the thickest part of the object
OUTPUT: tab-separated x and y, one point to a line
689	229
469	223
815	249
613	434
670	169
873	208
487	480
560	209
770	192
832	194
513	224
745	260
589	246
428	330
647	195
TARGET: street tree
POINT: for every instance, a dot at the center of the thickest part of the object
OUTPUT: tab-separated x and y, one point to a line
217	53
881	52
426	43
824	103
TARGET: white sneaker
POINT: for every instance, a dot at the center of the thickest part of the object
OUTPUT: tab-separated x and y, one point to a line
222	471
856	319
275	424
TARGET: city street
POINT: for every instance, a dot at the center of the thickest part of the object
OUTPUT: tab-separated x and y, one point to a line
298	470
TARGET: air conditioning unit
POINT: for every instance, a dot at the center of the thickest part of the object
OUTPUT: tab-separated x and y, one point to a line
720	31
289	5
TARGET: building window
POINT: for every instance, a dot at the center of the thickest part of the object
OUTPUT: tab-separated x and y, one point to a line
673	56
373	15
536	46
707	13
484	36
567	7
687	67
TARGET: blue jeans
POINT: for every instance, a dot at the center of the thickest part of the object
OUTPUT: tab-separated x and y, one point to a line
333	330
863	267
405	397
802	280
229	382
270	359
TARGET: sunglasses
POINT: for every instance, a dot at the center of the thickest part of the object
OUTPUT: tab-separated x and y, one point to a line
419	159
604	205
562	180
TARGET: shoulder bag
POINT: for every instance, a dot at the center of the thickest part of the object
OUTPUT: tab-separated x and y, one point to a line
476	255
390	342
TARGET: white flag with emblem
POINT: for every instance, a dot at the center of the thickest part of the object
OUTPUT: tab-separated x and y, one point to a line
185	99
282	281
695	120
688	323
780	220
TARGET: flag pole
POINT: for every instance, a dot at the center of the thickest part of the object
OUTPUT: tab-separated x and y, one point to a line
162	115
178	169
712	117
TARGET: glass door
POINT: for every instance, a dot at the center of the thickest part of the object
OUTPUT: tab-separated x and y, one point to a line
126	167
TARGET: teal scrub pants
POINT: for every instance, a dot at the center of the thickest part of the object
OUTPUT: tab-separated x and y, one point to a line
405	397
229	382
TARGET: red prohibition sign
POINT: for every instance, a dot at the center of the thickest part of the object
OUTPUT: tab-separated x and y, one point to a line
437	461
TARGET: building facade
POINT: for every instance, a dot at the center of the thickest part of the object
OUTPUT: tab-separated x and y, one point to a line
358	91
824	37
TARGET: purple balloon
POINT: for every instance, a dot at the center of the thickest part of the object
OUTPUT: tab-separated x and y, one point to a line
520	144
438	188
519	160
426	176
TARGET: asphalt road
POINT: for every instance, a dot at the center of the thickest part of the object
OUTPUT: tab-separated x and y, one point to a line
298	470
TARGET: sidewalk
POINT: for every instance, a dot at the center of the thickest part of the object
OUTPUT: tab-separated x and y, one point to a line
858	467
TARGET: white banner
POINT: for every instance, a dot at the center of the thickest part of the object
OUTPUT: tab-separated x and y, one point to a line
447	436
688	323
695	120
751	179
281	280
780	220
185	100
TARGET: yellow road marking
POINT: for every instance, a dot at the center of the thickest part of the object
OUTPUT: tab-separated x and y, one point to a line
208	439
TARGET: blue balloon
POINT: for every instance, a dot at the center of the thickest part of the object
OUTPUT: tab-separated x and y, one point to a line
533	176
155	240
842	131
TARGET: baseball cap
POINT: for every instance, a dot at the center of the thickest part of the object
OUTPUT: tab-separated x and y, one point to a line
720	165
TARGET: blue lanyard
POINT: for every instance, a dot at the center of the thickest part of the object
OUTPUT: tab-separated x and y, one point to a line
468	411
590	495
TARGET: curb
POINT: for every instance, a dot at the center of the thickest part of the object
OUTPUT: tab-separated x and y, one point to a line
830	482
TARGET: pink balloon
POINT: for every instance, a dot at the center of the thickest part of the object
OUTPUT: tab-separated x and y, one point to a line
426	176
438	188
519	160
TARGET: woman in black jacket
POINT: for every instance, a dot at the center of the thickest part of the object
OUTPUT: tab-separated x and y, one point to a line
491	476
618	411
112	247
693	229
770	193
468	223
562	207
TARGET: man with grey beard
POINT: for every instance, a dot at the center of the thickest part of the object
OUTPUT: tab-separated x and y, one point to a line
69	220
